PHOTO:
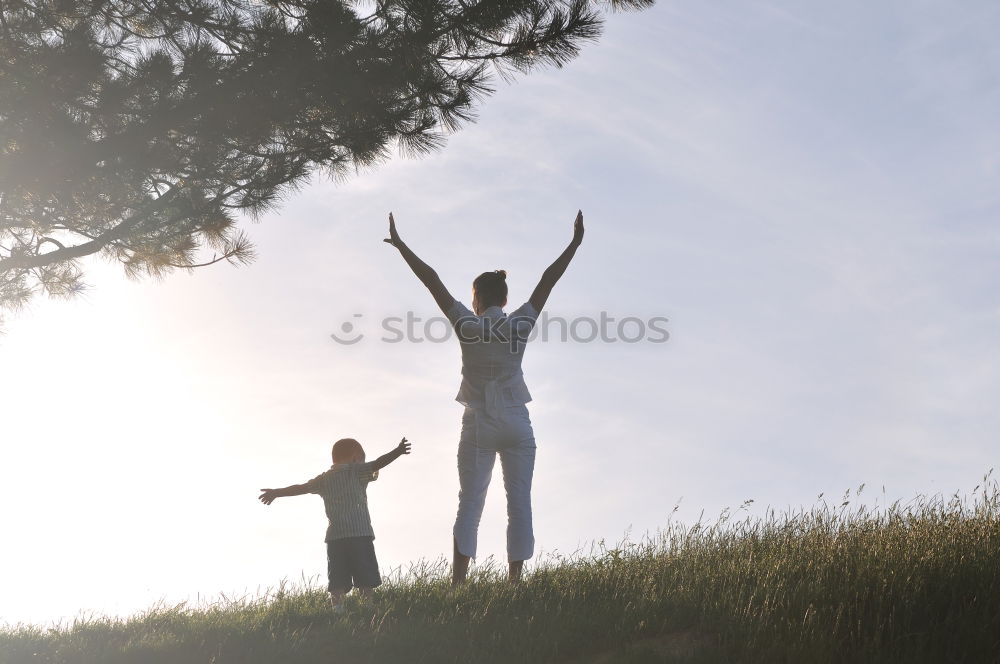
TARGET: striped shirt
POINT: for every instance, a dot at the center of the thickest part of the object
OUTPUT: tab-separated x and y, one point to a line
344	492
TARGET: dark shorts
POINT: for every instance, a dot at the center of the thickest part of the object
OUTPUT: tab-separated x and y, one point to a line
351	563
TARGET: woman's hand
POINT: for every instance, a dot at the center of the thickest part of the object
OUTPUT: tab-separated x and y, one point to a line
577	229
552	274
428	277
393	238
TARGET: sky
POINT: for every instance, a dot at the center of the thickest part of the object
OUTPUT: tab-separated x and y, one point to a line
806	192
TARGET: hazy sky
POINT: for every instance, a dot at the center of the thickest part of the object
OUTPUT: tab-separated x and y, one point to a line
807	191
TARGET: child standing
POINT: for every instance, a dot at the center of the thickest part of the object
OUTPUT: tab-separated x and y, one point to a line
350	550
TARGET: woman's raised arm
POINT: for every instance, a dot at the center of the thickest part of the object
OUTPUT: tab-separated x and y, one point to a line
428	277
554	271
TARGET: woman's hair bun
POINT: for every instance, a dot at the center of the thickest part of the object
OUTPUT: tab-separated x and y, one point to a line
490	288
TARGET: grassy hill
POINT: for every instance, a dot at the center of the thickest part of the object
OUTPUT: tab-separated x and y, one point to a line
908	583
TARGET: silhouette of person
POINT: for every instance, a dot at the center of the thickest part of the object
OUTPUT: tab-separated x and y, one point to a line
495	421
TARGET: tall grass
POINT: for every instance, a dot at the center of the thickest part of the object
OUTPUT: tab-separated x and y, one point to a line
915	582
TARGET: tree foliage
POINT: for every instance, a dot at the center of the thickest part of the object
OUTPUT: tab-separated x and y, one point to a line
143	129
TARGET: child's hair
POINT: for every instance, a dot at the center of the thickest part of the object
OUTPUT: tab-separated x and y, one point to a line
346	449
491	288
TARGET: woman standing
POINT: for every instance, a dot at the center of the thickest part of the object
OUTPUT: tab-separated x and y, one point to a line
495	421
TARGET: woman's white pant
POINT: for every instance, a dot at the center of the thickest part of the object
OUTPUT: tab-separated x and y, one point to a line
483	438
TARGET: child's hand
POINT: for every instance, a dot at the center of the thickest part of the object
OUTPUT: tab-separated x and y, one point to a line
267	496
403	447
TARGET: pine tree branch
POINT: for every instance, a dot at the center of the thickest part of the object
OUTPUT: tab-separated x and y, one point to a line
92	247
229	104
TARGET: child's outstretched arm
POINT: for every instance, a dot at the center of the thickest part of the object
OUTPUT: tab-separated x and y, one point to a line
428	277
267	496
389	457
